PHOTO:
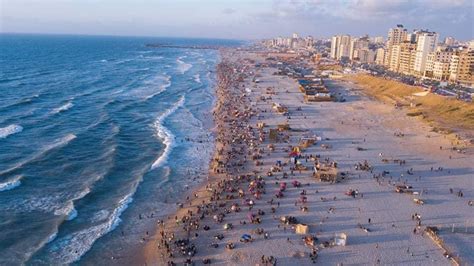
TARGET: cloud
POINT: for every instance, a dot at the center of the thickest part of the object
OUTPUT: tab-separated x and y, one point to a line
229	11
366	10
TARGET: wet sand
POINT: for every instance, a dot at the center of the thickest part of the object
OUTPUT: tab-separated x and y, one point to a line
354	131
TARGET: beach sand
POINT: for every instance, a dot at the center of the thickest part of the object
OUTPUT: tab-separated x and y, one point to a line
360	129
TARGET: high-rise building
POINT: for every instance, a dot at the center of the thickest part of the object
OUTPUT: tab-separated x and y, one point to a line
437	63
453	67
395	36
380	56
394	63
462	68
407	57
344	47
365	56
340	46
358	44
334	46
449	41
426	43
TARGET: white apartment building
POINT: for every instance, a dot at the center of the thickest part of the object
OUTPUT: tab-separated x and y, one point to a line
426	43
340	46
334	46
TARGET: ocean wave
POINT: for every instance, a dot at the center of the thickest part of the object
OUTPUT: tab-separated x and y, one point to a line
21	102
52	237
197	78
153	57
56	144
165	134
69	211
118	62
72	247
10	130
166	83
100	216
182	66
62	108
11	183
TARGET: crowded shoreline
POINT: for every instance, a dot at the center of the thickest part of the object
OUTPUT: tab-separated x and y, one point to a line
266	203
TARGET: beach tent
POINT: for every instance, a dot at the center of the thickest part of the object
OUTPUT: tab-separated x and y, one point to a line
302	229
340	239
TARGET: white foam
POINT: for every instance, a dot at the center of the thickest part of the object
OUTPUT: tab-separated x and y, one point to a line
52	237
72	214
197	78
154	57
124	61
10	130
163	133
62	108
100	216
166	83
182	66
11	184
56	144
69	210
71	247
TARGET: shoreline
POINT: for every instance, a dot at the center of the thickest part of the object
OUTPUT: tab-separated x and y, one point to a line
254	168
195	195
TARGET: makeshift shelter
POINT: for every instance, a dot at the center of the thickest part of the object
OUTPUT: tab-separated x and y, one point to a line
306	142
340	239
326	174
273	135
280	109
302	229
284	126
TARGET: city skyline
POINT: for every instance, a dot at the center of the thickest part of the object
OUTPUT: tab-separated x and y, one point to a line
236	19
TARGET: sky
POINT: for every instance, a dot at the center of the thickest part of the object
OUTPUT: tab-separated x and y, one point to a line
236	19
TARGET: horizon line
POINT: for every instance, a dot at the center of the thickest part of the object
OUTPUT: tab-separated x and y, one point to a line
120	35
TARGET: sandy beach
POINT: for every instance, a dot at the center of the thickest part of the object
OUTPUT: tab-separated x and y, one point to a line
234	218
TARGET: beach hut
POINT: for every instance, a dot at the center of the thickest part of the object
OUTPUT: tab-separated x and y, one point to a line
302	229
340	239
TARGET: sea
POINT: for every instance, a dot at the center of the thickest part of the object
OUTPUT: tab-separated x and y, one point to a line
100	136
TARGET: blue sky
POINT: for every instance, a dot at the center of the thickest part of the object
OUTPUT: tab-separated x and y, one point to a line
238	19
